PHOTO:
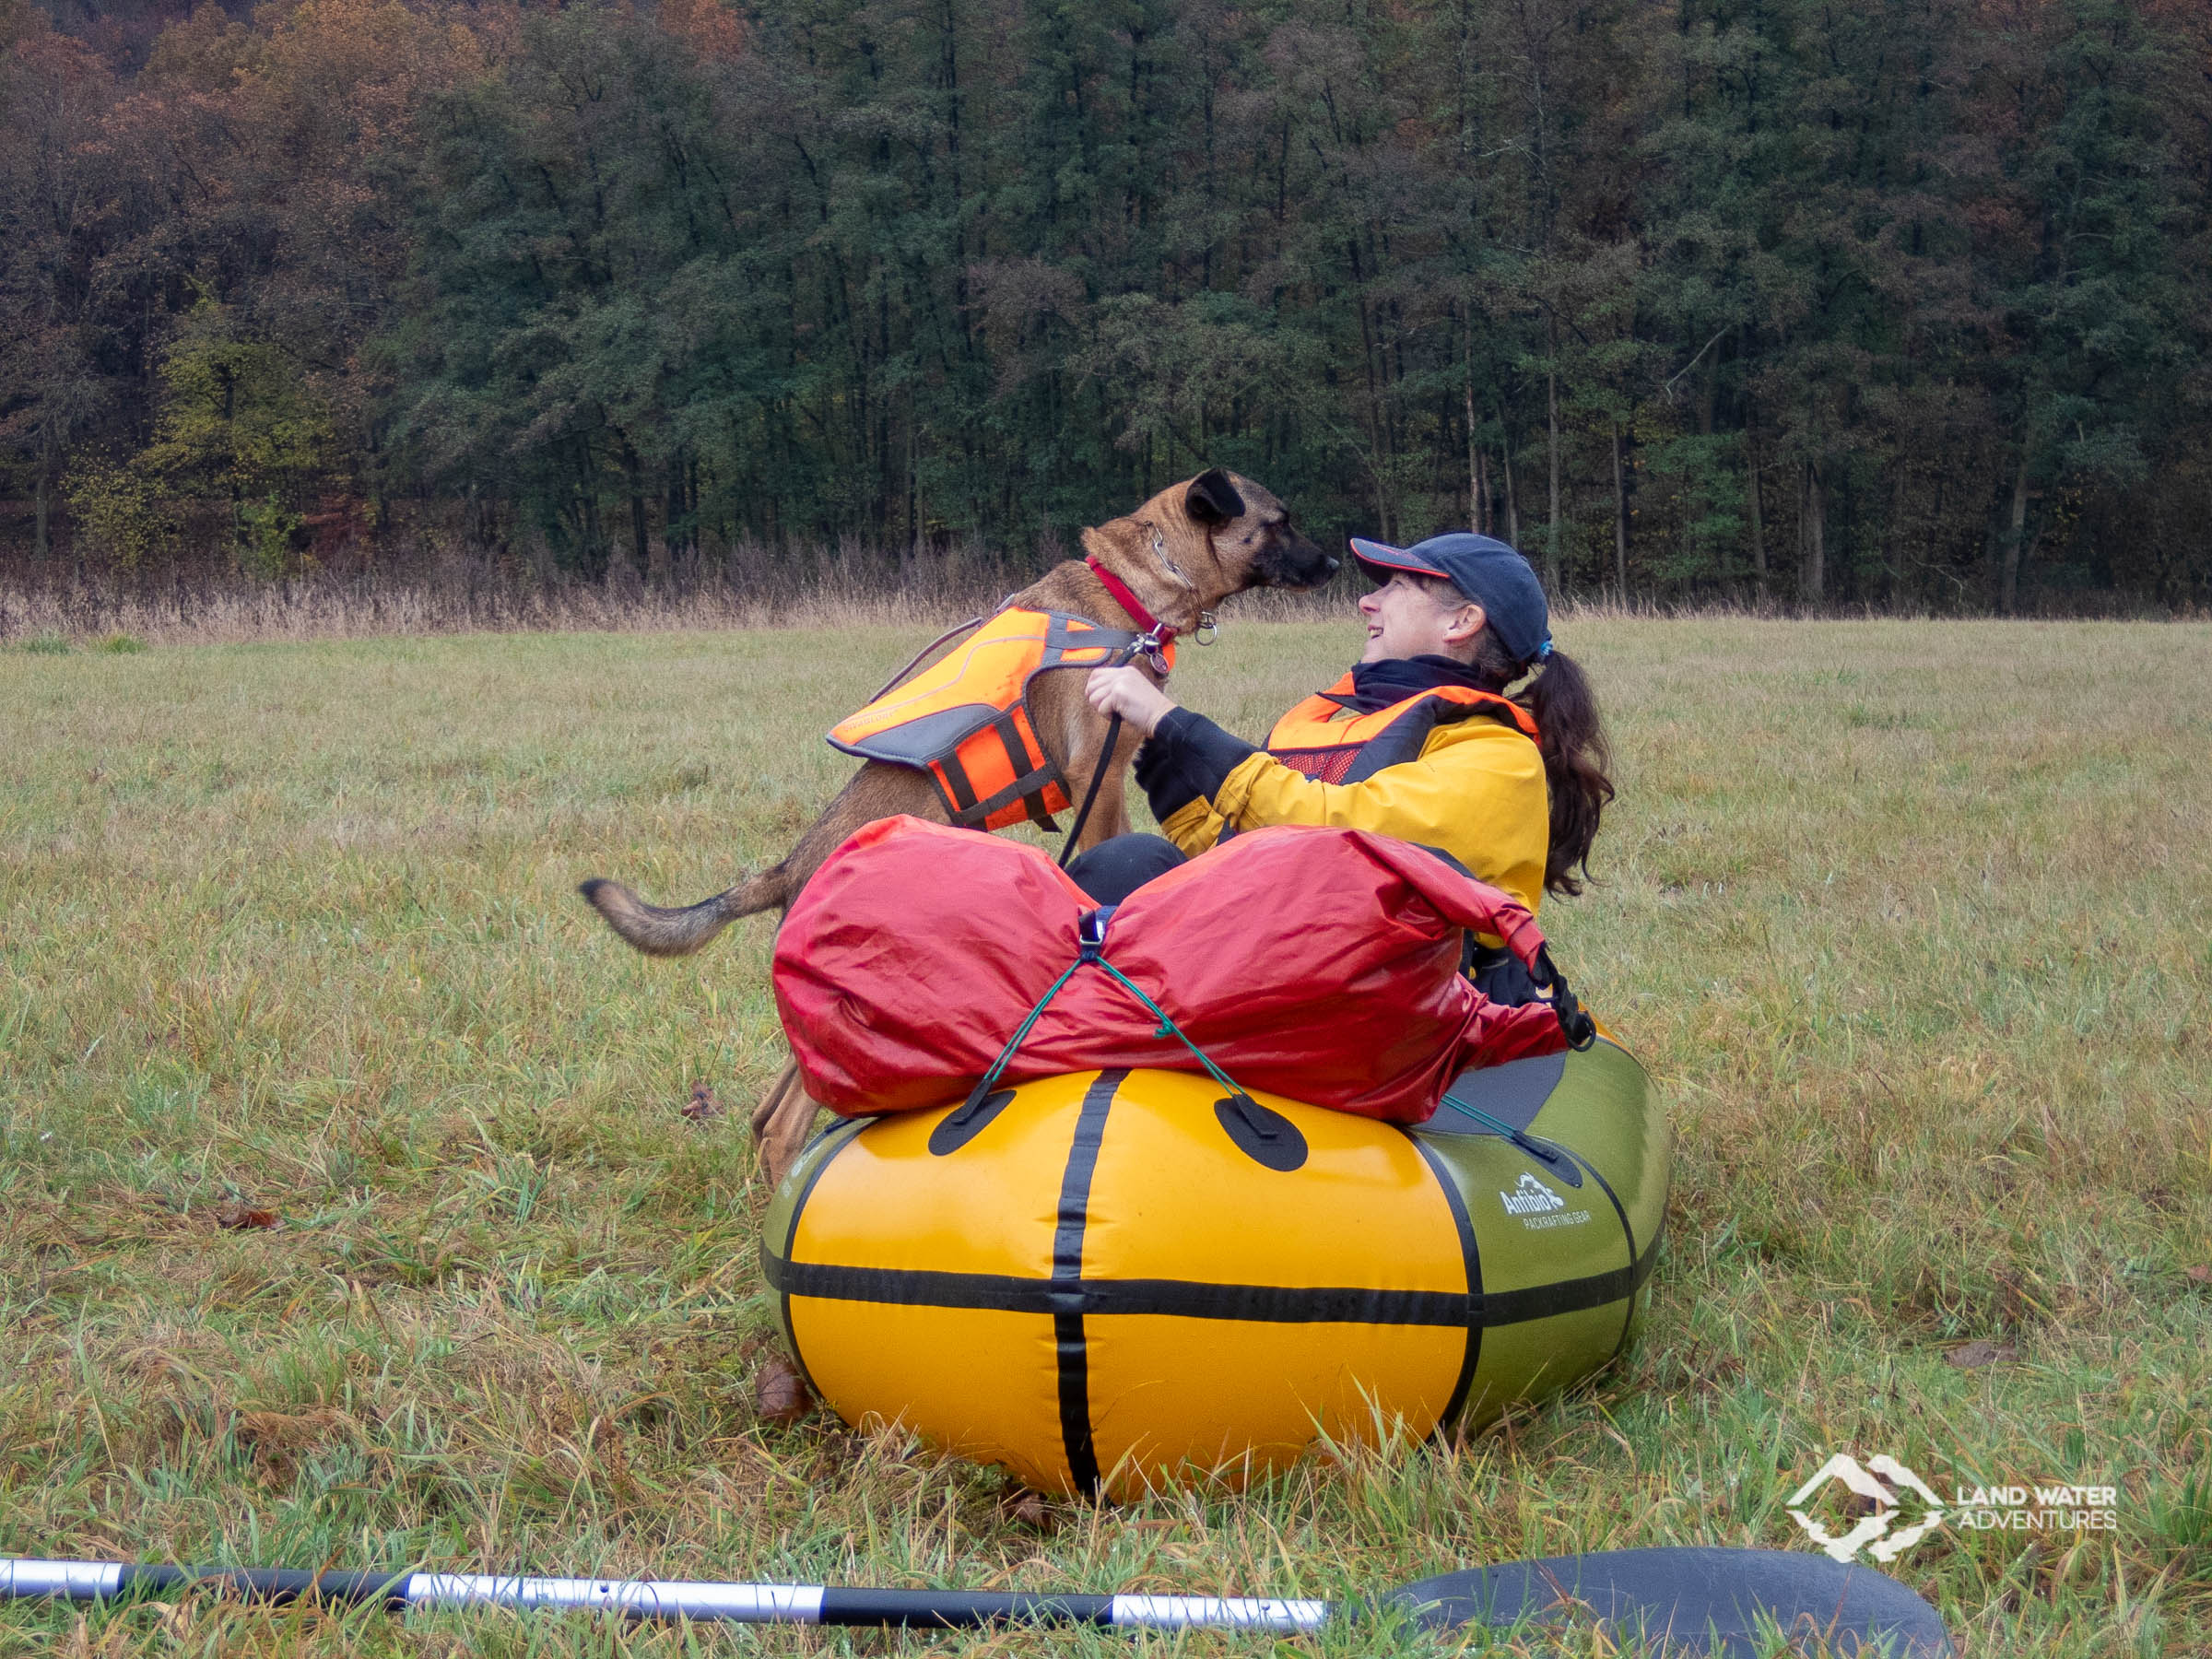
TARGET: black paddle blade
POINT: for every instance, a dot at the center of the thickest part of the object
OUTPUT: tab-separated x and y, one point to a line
1721	1602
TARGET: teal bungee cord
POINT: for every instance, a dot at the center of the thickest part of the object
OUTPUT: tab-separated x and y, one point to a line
1169	1027
1534	1149
1093	943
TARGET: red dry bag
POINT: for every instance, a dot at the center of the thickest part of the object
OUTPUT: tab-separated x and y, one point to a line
1320	964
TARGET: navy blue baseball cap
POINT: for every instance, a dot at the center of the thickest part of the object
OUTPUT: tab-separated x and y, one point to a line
1486	571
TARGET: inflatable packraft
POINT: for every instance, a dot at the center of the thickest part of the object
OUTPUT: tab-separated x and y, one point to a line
1181	1185
1107	1281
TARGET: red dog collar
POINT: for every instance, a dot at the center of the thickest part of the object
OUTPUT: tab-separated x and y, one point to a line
1122	595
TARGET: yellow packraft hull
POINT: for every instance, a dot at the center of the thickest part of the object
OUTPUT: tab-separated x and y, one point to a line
1107	1280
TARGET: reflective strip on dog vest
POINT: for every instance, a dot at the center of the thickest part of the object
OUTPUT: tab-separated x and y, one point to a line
1333	750
965	719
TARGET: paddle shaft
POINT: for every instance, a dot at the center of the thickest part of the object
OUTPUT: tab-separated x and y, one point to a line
1701	1600
651	1598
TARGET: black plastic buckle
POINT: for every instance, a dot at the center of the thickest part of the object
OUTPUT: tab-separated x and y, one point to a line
1090	934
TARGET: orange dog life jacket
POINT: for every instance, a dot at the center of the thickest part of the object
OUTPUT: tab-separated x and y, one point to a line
1348	751
965	719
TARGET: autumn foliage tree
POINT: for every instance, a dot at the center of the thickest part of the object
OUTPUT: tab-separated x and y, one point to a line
1899	305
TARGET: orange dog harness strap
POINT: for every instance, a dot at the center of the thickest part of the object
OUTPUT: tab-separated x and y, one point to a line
1311	740
965	719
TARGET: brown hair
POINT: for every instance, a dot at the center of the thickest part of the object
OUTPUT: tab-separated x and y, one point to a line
1570	734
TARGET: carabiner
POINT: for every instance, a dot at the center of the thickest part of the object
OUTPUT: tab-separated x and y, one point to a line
1150	646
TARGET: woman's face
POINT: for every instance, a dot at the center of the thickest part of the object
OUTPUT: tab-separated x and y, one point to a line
1408	618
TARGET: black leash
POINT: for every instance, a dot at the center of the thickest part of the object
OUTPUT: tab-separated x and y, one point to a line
1148	645
1098	776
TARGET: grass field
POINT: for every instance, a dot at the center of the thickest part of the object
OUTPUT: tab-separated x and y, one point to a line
1912	921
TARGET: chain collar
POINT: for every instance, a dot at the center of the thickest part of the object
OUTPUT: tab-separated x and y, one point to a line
1208	628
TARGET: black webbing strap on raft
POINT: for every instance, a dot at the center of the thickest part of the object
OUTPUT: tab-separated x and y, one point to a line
1575	1024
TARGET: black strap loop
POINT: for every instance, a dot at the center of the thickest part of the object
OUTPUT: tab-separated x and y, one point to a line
1578	1028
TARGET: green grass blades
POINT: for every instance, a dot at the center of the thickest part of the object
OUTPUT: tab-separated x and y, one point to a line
350	1212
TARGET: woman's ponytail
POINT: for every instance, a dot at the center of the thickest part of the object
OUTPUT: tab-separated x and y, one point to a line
1569	736
1575	757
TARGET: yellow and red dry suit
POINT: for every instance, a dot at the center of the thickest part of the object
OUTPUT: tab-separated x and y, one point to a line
1451	767
965	719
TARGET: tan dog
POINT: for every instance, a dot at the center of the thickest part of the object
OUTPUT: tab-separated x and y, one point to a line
1181	554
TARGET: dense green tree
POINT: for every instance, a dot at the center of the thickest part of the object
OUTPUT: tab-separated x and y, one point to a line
1903	305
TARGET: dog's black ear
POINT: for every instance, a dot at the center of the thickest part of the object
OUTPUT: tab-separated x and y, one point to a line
1212	499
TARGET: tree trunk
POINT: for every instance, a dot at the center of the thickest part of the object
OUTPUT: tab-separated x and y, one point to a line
1513	501
42	536
911	559
1551	398
597	565
1476	490
2008	578
679	530
1746	345
1813	572
1723	574
1893	534
634	475
1620	516
1759	526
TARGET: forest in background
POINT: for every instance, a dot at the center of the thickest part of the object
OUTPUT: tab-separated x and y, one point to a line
1899	304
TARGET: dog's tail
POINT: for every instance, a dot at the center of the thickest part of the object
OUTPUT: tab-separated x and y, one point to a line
666	933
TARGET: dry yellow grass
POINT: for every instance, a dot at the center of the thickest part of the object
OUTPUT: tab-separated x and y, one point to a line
1913	921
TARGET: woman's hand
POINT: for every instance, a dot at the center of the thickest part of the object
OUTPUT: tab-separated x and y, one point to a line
1130	693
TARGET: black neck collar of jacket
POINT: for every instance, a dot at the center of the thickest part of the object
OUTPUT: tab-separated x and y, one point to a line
1378	685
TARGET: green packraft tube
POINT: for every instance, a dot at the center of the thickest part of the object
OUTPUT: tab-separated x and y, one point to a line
1107	1281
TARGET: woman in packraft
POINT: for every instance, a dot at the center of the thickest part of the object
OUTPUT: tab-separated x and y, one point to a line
1460	728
